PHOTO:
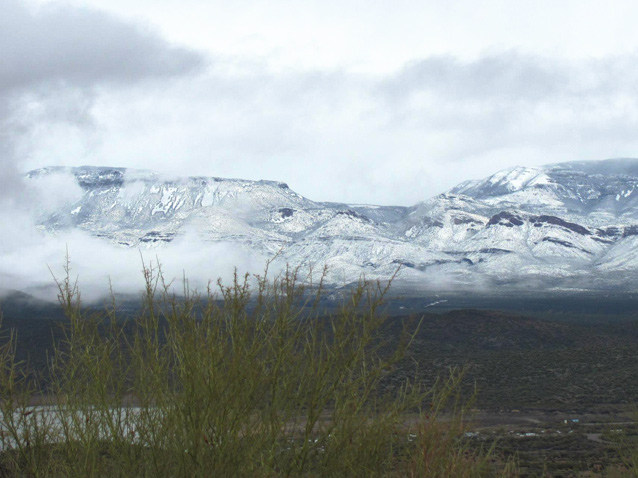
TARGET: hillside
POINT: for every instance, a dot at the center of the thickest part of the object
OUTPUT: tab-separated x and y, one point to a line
562	226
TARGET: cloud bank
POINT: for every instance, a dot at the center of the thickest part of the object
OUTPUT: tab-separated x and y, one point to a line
391	139
83	87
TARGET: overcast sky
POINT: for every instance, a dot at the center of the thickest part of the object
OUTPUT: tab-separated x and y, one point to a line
354	101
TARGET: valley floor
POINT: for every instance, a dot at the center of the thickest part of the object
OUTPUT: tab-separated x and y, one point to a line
557	391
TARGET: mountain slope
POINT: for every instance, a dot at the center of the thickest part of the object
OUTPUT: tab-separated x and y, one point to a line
562	225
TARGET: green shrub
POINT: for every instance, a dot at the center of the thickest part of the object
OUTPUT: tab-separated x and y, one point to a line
250	379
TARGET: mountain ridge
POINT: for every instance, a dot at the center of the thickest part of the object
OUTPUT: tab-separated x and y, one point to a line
562	225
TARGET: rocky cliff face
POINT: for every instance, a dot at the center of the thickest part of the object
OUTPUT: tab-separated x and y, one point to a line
563	225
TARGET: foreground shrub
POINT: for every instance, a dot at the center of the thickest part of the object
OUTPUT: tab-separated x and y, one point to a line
248	380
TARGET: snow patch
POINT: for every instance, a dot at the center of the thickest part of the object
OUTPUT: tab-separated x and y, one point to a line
516	178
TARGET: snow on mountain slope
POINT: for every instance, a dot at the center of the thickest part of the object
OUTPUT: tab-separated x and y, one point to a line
557	224
594	192
504	182
445	220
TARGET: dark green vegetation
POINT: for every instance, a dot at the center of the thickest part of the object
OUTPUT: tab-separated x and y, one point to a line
564	358
533	374
519	362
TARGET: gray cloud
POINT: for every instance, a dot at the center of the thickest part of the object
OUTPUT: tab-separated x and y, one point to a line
512	80
53	60
507	76
61	45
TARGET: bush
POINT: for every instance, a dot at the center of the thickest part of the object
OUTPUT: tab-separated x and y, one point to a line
249	380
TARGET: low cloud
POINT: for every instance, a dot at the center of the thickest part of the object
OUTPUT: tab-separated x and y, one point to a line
33	256
57	62
34	264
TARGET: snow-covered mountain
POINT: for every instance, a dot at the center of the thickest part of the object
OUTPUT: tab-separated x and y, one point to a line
559	226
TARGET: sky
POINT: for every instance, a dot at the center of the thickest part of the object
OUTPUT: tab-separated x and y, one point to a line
350	101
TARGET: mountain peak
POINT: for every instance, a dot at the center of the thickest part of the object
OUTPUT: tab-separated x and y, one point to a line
504	182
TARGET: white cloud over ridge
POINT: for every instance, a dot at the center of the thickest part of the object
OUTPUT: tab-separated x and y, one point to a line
35	264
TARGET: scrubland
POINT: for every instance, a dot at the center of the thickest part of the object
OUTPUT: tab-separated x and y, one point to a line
248	378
